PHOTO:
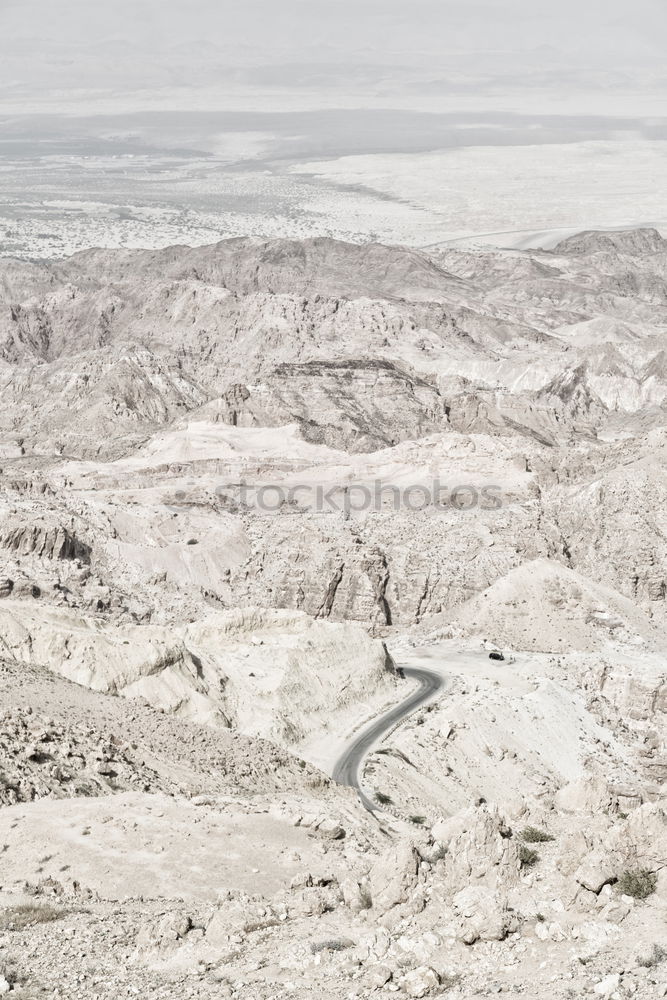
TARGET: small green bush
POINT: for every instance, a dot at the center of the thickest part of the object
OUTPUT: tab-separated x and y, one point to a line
384	800
334	944
639	884
528	857
657	956
17	918
532	835
418	820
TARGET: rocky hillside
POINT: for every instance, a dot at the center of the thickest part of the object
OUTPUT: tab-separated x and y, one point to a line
247	491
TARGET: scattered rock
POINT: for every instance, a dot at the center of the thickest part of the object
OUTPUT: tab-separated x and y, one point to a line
608	986
420	982
378	976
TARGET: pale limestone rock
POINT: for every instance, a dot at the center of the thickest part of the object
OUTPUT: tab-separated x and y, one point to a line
201	670
617	910
355	895
421	982
640	841
479	847
573	848
378	976
542	931
330	829
553	931
485	914
607	986
595	872
587	795
393	878
165	931
419	950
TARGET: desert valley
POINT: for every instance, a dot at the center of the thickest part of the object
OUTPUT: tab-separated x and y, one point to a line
333	621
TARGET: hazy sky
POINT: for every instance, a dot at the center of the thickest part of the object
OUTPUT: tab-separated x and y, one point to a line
129	45
410	25
146	122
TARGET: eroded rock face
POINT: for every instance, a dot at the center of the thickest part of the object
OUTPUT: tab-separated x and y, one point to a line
586	795
44	541
355	406
394	879
201	670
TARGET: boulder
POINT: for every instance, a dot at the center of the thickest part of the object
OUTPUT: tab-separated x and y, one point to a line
596	871
302	880
607	986
484	913
330	829
420	982
417	950
378	976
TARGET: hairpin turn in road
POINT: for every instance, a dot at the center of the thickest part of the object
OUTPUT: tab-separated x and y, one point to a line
348	767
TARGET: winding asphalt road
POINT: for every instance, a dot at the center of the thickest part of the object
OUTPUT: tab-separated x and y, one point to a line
348	767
